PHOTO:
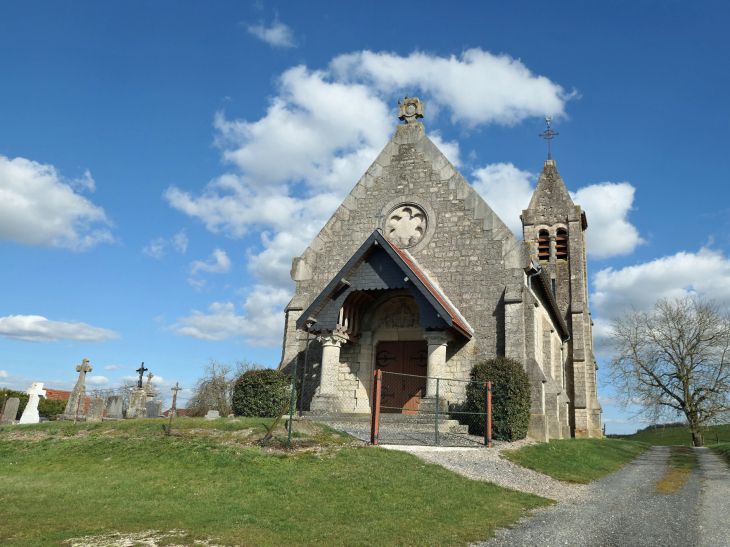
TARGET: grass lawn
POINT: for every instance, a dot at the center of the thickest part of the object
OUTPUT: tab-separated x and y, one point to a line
576	460
673	436
214	483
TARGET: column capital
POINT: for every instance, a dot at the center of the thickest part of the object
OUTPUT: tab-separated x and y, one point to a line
437	338
333	339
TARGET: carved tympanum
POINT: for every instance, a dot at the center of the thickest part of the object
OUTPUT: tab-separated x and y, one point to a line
402	318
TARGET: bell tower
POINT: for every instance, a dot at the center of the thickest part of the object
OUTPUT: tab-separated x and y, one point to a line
554	227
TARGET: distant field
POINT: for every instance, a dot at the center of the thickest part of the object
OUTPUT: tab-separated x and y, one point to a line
212	482
673	436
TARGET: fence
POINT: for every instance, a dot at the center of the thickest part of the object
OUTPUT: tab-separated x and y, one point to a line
396	408
410	409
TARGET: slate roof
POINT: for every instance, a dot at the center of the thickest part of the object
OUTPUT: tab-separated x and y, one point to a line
425	288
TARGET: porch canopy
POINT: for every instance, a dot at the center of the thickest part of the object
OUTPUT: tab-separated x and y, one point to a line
379	265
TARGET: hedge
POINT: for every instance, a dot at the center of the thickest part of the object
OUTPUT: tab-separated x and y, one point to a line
47	408
511	398
261	393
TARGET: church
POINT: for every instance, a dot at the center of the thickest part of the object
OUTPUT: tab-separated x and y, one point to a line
415	267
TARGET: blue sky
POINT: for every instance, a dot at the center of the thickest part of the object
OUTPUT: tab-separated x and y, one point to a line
161	163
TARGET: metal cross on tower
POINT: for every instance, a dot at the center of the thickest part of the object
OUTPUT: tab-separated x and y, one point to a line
141	371
548	135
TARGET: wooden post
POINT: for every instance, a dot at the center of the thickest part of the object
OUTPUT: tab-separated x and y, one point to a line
375	425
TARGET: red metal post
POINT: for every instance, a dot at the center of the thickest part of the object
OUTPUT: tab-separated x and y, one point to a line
377	382
488	429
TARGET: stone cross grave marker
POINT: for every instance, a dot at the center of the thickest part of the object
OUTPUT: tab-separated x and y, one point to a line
30	414
77	399
149	388
96	410
11	410
114	408
141	371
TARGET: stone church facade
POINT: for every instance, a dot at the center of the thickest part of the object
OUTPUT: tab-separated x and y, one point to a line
415	263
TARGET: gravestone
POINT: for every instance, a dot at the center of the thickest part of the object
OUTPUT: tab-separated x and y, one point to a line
78	395
149	388
137	404
96	410
213	414
30	414
11	410
114	408
153	409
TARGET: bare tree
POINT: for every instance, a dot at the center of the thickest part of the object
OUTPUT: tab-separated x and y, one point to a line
214	389
674	360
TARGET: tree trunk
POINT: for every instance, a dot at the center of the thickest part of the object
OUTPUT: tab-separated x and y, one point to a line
697	439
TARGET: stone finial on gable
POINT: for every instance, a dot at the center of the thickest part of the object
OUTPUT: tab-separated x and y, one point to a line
410	109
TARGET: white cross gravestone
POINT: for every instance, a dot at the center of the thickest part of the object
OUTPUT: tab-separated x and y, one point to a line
30	414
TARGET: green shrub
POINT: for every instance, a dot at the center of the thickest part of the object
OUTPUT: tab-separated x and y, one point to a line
261	393
50	408
47	408
511	398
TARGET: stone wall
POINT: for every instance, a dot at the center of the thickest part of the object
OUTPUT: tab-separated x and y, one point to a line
467	250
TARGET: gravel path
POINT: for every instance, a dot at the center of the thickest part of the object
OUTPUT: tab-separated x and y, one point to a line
715	500
486	465
623	509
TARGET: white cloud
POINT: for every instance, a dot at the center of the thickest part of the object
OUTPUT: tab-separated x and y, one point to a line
218	263
180	242
156	248
477	86
507	190
111	367
607	206
705	273
39	207
197	284
261	325
277	35
4	374
34	328
97	380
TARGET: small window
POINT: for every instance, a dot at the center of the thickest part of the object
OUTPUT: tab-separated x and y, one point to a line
561	245
543	245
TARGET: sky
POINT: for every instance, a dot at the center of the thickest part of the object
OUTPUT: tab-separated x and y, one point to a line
161	163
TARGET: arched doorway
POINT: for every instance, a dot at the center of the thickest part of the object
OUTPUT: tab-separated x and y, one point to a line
400	351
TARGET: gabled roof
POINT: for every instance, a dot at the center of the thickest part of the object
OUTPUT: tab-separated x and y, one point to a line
417	279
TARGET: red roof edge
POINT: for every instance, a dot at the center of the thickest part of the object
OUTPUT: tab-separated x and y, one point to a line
450	309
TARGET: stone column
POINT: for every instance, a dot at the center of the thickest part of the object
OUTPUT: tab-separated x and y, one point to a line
436	359
327	398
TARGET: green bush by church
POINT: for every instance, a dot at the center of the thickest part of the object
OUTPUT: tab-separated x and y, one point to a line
511	398
261	393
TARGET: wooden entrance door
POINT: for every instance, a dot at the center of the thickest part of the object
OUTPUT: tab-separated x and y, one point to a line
401	394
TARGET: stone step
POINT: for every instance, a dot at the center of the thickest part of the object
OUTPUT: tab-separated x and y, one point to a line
385	418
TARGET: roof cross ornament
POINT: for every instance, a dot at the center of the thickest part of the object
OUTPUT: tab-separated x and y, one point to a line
549	135
141	371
